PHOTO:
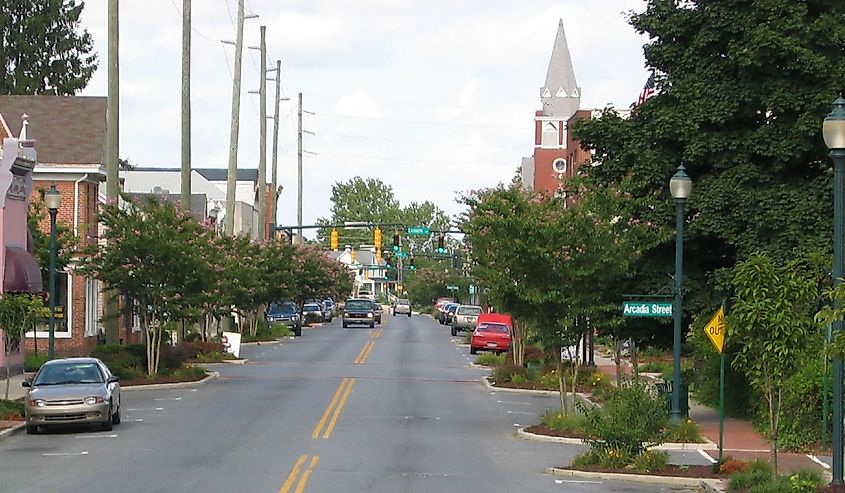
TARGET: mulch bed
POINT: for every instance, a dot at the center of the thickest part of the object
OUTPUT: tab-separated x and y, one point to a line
671	470
160	379
542	429
534	386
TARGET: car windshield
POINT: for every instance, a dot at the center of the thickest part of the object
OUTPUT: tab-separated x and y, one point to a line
359	304
452	308
495	328
403	302
469	310
311	307
68	373
281	308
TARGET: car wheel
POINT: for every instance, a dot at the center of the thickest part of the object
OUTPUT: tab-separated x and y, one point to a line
297	331
345	325
115	418
472	350
409	314
31	430
372	326
107	424
454	332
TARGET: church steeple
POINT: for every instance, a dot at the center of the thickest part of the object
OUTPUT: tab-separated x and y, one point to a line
560	95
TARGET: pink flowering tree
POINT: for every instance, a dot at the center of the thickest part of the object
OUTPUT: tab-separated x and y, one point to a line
153	252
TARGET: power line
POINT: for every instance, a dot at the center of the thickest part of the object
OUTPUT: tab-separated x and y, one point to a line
422	141
513	109
416	122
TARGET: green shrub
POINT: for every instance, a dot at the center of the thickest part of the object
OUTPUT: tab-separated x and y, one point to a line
760	466
505	372
189	372
490	359
748	479
590	458
805	481
549	380
687	431
615	458
127	362
655	367
519	379
571	422
467	338
11	409
630	417
32	362
651	461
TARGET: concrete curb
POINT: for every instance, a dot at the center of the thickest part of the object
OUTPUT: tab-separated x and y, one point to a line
211	375
639	478
12	431
241	361
491	387
521	433
708	445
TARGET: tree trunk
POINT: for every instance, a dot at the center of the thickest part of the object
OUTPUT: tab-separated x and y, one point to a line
574	378
561	381
773	431
617	357
8	374
634	361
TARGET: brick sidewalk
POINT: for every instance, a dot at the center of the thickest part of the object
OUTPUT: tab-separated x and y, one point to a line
741	440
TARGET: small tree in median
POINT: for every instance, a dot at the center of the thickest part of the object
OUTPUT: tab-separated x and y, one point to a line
770	320
18	315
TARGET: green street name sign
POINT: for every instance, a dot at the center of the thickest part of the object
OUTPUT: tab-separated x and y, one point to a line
647	309
418	230
401	254
452	287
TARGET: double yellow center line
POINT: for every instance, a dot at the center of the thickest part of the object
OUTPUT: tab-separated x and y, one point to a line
303	480
326	425
368	348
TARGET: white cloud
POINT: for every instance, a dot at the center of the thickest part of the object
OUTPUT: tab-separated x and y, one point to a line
445	92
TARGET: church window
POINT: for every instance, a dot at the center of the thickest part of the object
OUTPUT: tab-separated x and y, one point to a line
550	135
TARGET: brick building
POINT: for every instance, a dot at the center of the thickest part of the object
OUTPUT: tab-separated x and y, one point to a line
69	135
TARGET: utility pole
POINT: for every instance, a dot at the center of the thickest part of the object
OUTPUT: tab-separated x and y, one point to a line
262	148
299	169
111	319
186	105
275	172
231	178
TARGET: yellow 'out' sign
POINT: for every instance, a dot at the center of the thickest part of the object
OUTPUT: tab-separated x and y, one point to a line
715	329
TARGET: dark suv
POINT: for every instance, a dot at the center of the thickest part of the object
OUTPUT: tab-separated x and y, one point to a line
285	312
359	311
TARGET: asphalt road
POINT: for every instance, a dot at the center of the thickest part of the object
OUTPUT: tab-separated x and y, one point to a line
396	408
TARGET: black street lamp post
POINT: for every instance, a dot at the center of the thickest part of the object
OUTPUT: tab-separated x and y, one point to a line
680	187
52	199
833	131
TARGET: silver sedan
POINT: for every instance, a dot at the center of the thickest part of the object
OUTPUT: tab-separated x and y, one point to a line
72	391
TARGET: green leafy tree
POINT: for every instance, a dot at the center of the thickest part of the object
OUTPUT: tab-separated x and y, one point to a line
549	264
360	200
769	321
19	313
41	47
743	89
66	241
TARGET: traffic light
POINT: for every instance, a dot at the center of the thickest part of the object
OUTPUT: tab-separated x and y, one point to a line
395	241
441	244
388	263
457	263
335	241
411	265
377	238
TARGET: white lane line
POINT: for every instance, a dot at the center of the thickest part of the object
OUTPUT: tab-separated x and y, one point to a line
707	456
818	461
96	436
139	420
515	403
65	454
583	481
145	409
168	399
520	412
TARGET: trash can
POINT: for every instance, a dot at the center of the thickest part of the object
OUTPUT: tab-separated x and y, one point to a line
664	390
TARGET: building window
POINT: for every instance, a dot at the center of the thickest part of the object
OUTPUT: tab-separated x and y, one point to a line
550	135
64	291
92	307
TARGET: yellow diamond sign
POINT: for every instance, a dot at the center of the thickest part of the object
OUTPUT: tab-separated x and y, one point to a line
715	329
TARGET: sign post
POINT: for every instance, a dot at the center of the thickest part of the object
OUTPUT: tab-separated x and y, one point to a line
715	330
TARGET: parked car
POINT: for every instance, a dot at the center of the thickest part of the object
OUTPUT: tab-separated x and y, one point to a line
377	311
358	311
464	318
285	312
328	310
72	391
492	333
449	313
402	307
441	309
312	313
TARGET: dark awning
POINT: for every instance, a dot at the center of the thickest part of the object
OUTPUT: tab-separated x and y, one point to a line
22	272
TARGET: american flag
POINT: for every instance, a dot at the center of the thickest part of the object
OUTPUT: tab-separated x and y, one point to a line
649	90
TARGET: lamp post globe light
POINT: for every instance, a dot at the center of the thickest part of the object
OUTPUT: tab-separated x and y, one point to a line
833	131
680	187
53	200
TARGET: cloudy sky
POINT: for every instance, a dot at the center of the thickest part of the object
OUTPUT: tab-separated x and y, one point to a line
433	97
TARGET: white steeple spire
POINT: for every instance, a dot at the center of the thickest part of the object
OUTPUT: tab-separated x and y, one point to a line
560	95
